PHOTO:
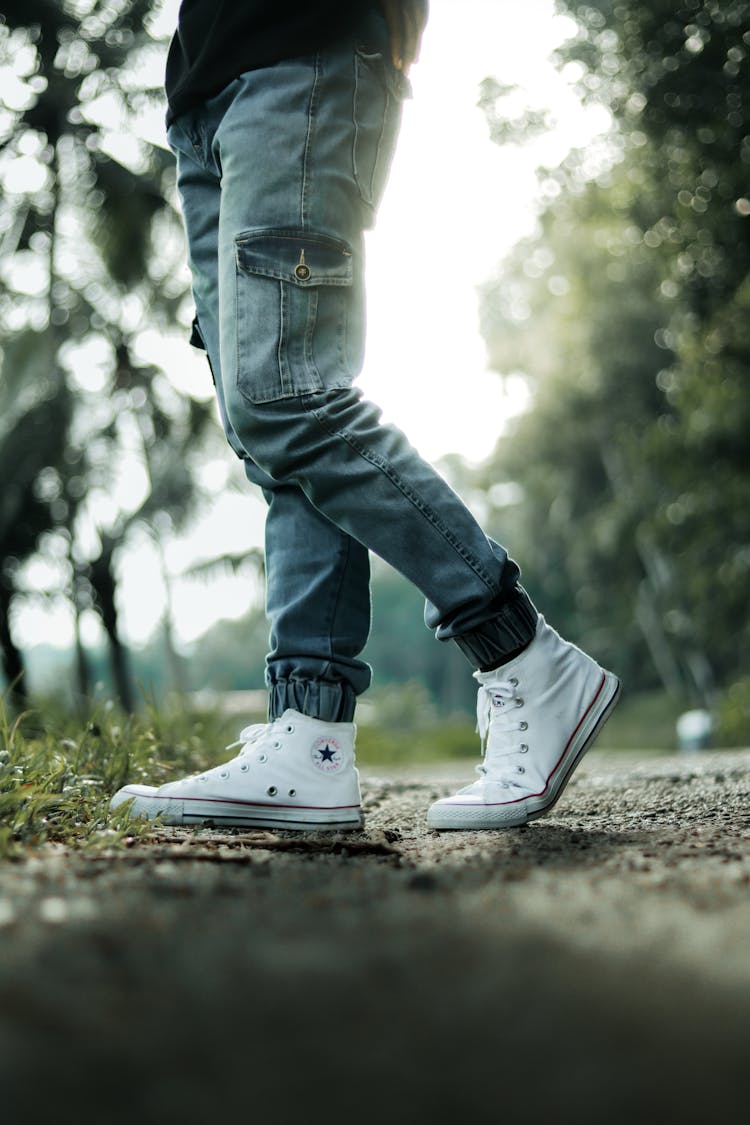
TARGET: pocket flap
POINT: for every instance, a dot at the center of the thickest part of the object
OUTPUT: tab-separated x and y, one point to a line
299	257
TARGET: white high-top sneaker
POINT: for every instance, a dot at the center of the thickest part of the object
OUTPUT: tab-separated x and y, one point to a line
296	772
537	716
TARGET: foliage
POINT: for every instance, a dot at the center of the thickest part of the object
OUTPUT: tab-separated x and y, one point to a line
57	773
453	740
91	246
733	717
401	648
629	312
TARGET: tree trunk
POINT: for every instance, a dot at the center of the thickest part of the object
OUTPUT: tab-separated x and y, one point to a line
11	656
104	585
83	678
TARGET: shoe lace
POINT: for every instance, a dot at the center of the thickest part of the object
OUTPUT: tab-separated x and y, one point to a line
497	704
249	737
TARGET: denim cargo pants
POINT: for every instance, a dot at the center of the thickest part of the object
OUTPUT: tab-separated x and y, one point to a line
279	175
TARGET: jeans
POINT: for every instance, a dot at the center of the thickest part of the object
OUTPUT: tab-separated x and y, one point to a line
279	175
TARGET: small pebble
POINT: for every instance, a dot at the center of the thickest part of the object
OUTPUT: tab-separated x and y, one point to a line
53	910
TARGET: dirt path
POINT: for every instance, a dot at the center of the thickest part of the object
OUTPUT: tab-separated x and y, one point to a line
593	967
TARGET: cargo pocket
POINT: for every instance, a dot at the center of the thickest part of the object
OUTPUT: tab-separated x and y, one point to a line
293	295
379	93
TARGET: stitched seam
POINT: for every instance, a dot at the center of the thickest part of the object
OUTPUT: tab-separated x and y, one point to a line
316	282
279	234
283	352
307	156
248	804
314	380
355	138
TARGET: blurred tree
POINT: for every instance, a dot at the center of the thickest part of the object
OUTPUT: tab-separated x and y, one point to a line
34	414
91	256
634	458
402	650
592	295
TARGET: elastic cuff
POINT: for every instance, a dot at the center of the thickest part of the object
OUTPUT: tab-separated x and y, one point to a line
512	628
330	702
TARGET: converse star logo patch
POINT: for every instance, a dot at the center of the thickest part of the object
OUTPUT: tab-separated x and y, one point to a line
326	755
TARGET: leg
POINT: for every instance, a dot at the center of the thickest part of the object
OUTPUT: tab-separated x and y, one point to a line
317	577
289	278
290	275
318	607
292	325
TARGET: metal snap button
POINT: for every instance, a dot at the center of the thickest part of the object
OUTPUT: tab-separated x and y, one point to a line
302	270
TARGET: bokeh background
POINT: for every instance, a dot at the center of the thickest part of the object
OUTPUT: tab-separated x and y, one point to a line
559	299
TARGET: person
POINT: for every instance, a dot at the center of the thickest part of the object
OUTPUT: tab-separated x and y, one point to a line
283	116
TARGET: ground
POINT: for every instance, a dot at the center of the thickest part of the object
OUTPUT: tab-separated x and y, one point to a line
591	967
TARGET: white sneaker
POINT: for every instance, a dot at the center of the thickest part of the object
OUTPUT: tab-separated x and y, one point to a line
537	716
295	772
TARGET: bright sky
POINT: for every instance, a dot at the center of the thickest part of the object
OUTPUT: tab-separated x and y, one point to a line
455	205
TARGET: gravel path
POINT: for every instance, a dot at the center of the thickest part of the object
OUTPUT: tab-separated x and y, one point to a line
594	966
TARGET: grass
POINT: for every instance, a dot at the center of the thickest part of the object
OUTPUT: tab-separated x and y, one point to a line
58	771
432	742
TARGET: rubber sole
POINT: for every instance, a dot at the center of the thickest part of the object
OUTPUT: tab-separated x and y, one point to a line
213	813
468	816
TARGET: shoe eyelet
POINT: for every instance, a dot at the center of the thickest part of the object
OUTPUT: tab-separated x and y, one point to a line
244	767
292	792
523	725
224	775
524	748
521	769
519	703
272	791
263	757
290	729
277	745
513	681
